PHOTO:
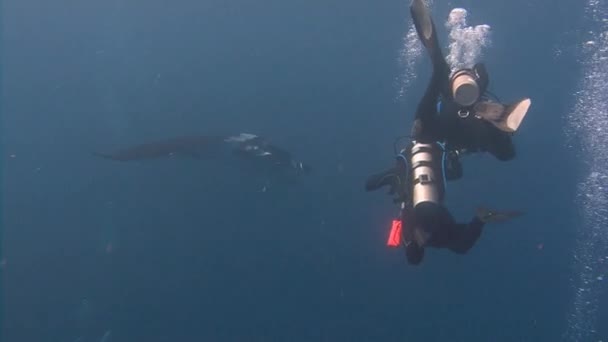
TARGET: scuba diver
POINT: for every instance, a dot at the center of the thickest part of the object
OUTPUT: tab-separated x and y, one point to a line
245	146
465	116
417	181
424	220
424	166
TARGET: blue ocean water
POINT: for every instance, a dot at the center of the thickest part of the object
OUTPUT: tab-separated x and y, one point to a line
190	250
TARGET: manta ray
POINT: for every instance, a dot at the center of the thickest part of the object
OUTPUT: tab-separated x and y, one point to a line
245	146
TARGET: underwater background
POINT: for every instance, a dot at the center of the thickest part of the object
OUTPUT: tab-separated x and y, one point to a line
191	250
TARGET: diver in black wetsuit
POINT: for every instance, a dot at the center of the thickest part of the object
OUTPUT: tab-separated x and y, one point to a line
466	119
419	176
418	187
425	220
430	224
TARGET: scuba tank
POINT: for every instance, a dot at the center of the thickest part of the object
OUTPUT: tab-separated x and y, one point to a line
427	186
427	175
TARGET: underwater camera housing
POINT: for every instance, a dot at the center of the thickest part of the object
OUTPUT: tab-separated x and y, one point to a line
468	85
465	88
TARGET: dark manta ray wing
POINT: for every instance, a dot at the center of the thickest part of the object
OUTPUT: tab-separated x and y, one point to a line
194	146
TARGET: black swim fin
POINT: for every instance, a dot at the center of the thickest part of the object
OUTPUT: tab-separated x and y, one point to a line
493	216
506	118
424	26
515	114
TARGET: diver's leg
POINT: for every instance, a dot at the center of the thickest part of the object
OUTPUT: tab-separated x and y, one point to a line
464	236
414	253
500	144
425	127
425	28
426	124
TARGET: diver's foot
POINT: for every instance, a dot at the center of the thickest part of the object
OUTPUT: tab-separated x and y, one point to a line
423	22
488	215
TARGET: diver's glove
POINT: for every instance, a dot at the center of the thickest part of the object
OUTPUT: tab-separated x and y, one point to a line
388	177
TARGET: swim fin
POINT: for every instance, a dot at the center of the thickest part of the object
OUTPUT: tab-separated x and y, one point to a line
422	20
506	118
491	216
424	26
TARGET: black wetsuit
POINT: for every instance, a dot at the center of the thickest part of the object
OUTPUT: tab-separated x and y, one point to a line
457	126
429	226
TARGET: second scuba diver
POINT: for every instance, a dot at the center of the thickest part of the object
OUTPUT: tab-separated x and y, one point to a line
465	117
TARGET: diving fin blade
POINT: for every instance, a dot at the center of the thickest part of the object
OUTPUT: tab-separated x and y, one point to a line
423	23
507	119
515	114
